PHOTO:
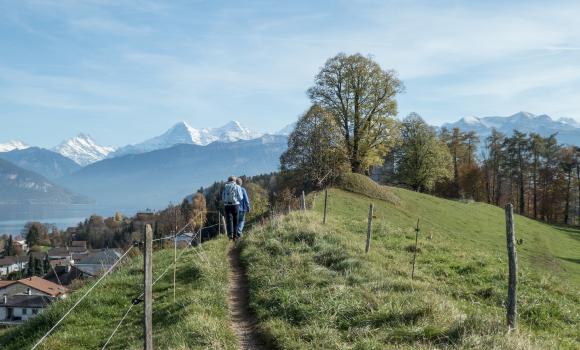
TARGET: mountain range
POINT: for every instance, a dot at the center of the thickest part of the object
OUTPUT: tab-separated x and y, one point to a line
184	133
182	159
567	130
155	178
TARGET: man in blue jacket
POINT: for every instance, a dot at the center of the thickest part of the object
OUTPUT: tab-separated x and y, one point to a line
232	197
244	207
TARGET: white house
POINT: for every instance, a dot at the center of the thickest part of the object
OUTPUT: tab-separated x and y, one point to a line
11	264
25	298
19	308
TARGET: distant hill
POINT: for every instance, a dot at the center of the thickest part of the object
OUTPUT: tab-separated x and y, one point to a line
568	130
21	186
155	178
49	164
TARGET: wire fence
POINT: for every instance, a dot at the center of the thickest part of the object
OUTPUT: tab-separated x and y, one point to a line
81	298
197	237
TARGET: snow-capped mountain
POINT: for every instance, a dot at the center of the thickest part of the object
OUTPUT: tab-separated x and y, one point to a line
154	178
184	133
568	130
83	149
12	145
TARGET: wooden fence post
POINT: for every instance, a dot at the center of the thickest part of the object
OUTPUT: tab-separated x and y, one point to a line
369	229
148	286
512	310
415	250
224	224
174	263
325	205
303	201
199	236
219	223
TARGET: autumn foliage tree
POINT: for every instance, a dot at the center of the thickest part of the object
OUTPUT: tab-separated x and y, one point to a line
360	97
316	153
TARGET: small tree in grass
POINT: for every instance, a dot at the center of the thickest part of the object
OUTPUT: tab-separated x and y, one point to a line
422	159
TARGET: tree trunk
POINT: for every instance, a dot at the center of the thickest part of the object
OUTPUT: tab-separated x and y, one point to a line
521	199
567	206
535	196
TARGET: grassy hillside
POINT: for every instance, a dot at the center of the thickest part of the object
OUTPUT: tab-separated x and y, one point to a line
197	320
312	286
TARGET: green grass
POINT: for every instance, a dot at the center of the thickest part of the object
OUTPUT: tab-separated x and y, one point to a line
312	286
198	319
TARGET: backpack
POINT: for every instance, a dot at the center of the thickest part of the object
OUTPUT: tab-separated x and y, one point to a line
231	194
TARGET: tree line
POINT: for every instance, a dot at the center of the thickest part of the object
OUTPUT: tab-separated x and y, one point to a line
351	126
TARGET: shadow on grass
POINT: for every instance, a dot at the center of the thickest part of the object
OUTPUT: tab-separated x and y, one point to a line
573	232
573	260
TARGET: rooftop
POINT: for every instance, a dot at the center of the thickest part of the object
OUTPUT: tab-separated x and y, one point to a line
42	285
9	260
32	301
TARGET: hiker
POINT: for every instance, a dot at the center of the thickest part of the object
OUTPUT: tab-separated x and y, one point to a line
244	207
232	197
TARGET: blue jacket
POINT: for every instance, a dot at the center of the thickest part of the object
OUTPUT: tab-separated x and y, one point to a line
245	203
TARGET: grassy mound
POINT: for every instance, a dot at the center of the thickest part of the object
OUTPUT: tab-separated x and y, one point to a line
198	319
361	184
312	286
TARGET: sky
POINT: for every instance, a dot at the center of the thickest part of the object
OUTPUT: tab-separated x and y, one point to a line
127	70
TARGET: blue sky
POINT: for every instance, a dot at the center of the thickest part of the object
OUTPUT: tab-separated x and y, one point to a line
124	71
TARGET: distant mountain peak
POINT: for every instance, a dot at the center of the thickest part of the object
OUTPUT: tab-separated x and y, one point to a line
471	120
12	145
83	149
523	114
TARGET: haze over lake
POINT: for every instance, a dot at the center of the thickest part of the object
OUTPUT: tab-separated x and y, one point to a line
13	218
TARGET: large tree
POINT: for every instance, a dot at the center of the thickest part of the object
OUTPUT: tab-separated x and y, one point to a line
316	153
360	96
423	159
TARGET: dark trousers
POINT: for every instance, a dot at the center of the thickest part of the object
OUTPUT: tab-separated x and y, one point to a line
232	220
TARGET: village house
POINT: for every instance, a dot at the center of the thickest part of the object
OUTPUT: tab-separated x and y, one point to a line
97	261
19	308
20	244
23	299
11	264
32	286
77	250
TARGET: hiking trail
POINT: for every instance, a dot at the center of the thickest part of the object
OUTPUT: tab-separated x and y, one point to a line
242	320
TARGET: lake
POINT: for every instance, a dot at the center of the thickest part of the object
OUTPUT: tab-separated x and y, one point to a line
13	218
